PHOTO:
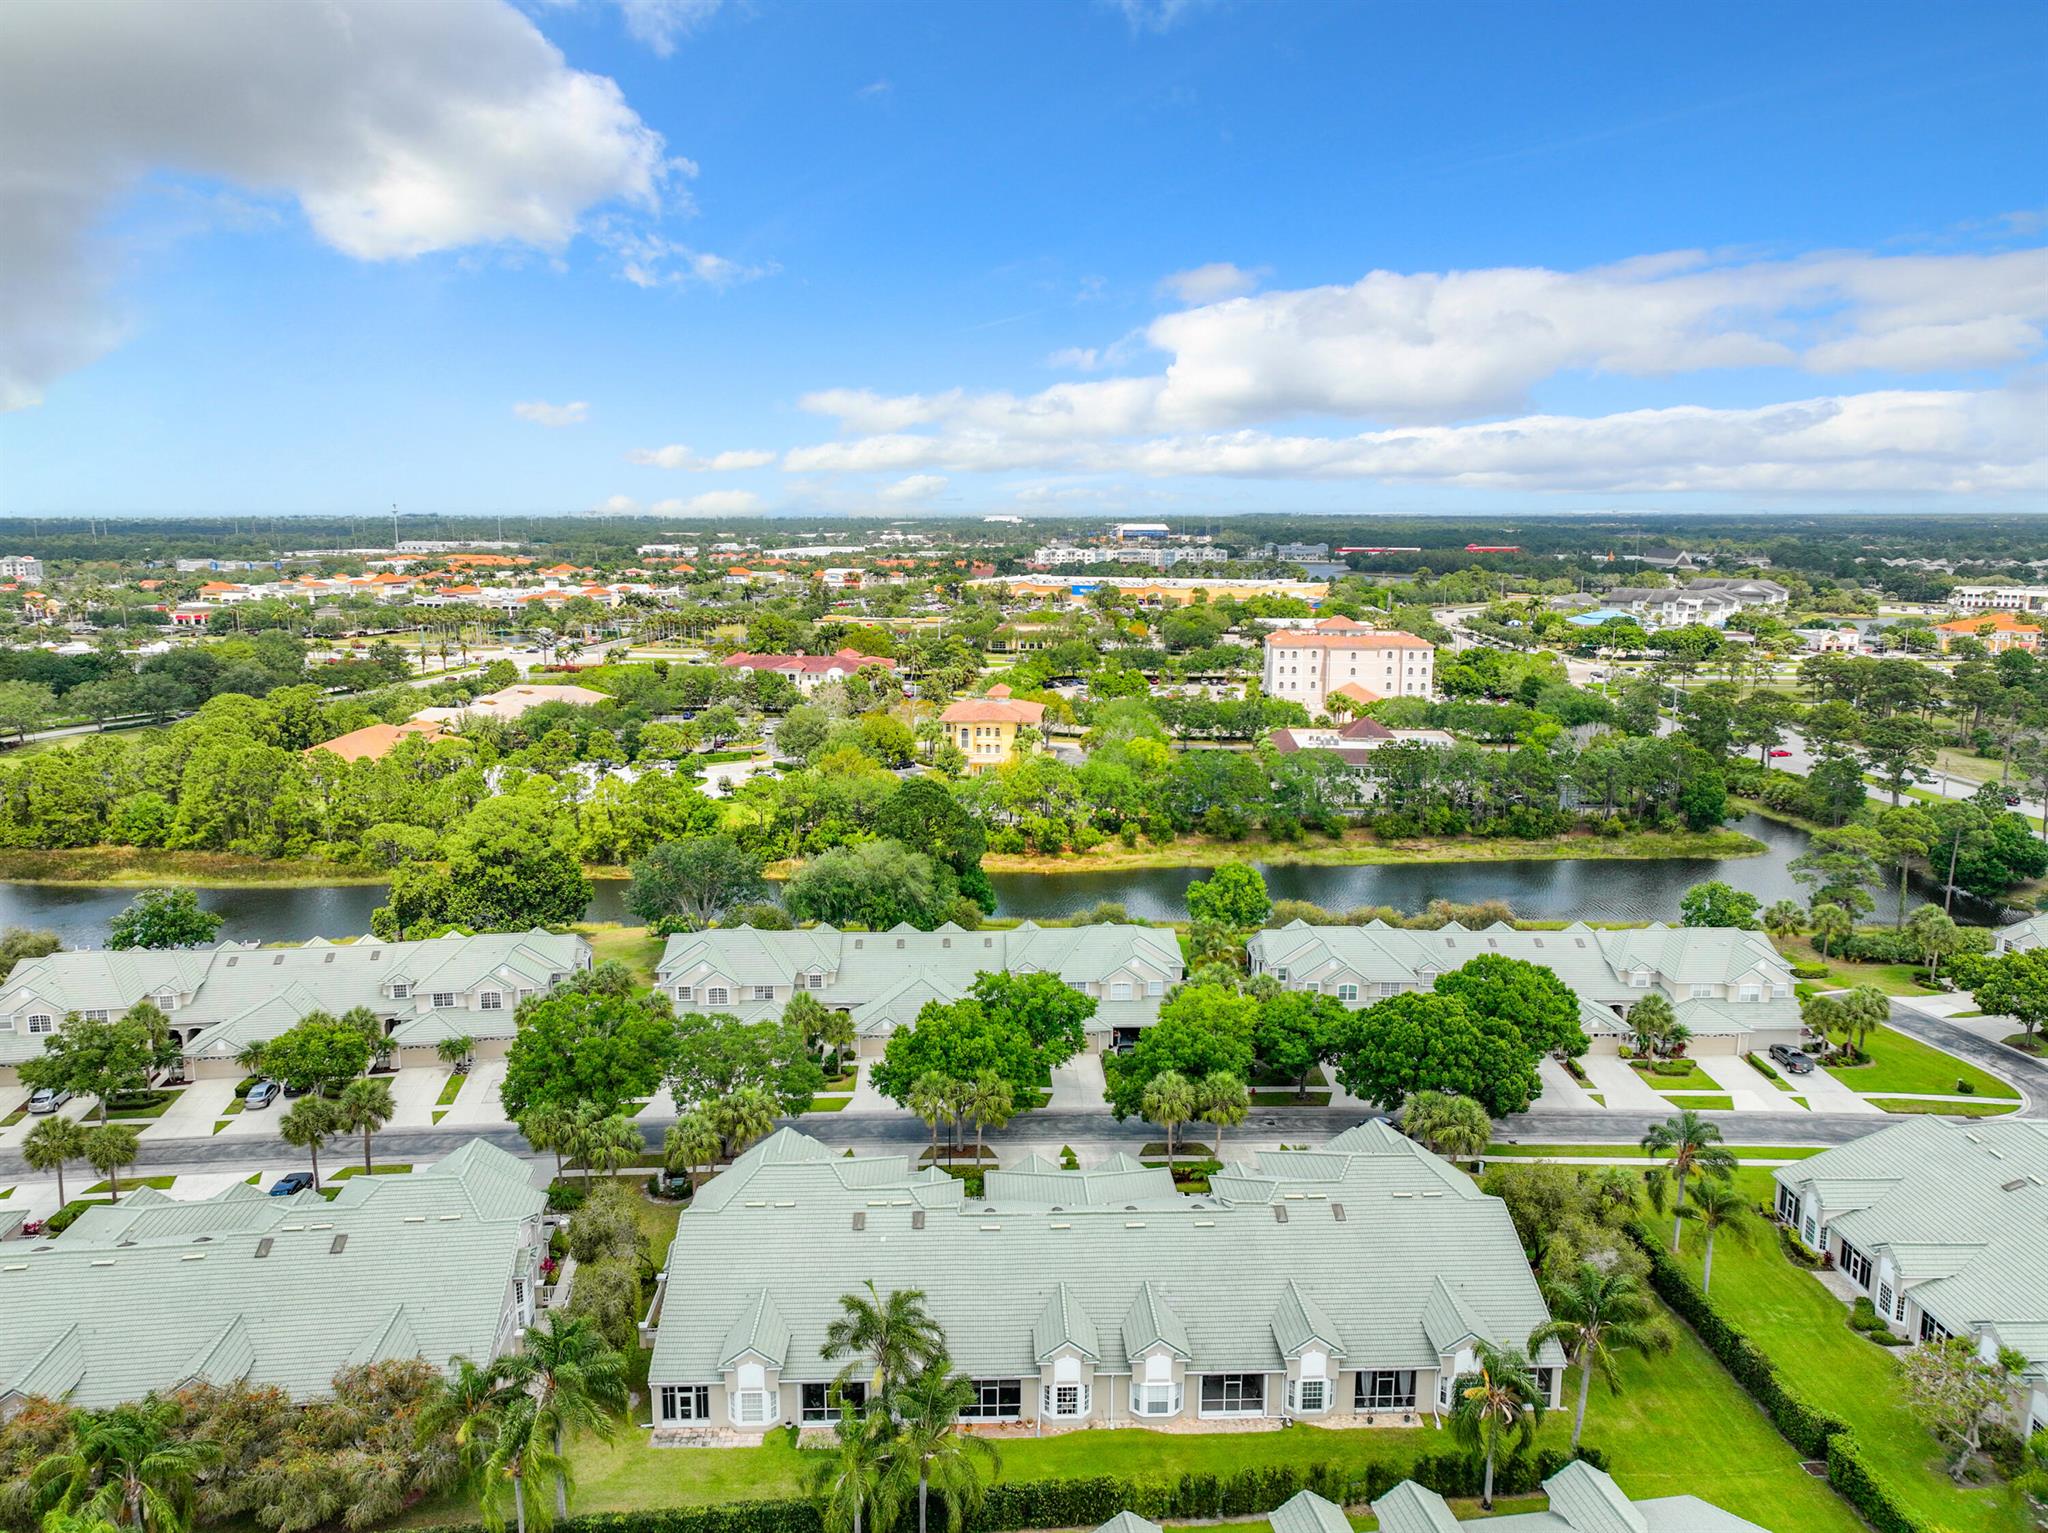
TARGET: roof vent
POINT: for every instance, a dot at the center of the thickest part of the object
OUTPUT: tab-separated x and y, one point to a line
860	1219
277	960
1056	1224
263	1247
338	1244
233	961
917	1219
1279	1213
2016	1184
192	1256
328	959
1134	1224
1337	1212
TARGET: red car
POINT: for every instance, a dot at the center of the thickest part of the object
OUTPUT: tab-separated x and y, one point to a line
1778	755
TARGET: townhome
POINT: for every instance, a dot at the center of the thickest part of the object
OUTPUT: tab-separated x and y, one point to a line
1730	988
1711	602
985	728
809	672
884	979
1945	1227
156	1294
1347	1285
221	1000
1309	666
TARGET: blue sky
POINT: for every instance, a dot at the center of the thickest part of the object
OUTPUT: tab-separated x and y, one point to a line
1705	257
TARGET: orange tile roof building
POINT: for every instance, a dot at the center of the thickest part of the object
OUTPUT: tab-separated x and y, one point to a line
1342	657
1999	631
373	742
985	728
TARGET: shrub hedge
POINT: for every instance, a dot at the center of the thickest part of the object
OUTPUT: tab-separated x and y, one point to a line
1808	1428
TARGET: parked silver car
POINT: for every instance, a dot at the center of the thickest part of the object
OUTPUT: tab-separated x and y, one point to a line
49	1099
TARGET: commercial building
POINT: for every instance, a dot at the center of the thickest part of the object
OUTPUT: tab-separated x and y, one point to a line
153	1294
1141	592
1338	655
21	567
985	728
1996	631
1355	743
1945	1227
373	742
884	979
1729	987
809	672
1346	1285
220	1000
1998	598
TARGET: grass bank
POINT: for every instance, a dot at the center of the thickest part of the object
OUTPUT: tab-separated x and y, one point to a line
1362	848
120	866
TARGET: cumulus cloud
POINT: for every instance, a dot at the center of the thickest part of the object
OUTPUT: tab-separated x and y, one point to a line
914	488
661	24
1206	284
678	456
617	505
710	503
575	413
398	130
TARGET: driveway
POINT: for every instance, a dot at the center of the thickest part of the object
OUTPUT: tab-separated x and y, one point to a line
867	1100
414	1094
198	1107
1748	1091
1824	1093
1621	1086
477	1104
1560	1090
75	1109
1078	1085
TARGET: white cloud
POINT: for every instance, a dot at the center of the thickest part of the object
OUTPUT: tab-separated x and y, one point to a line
617	505
1156	15
678	456
710	503
575	413
1207	284
661	23
915	487
875	89
650	260
399	129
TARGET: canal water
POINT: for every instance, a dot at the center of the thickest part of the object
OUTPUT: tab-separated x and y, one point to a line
1598	891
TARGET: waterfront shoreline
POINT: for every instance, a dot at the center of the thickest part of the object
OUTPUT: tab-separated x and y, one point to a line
1361	850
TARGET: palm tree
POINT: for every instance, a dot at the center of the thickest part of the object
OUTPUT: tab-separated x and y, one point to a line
691	1142
838	1033
897	1336
1498	1406
854	1484
550	1126
454	1051
364	1106
1594	1315
310	1123
608	1144
1718	1206
519	1451
109	1147
988	1100
1169	1101
1225	1103
1450	1125
1695	1145
743	1116
53	1143
1784	918
929	1099
930	1449
464	1408
1650	1021
127	1466
575	1379
1831	923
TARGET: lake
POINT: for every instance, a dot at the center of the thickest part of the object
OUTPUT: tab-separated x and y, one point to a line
1600	891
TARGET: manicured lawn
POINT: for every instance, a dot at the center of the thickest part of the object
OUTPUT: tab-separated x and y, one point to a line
828	1104
658	1224
130	1183
450	1090
1289	1099
634	946
1900	1063
151	1104
348	1171
1945	1109
1802	1326
1891	978
14	1117
1597	1151
1692	1078
1704	1102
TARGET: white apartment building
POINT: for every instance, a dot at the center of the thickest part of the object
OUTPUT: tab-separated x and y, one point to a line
21	567
1339	656
1961	599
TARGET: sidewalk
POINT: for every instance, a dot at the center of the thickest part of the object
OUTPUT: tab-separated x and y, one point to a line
1748	1091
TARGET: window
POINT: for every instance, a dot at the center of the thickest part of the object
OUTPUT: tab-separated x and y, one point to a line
717	995
1281	975
401	990
821	1401
1068	1402
1933	1330
1703	992
95	1016
1788	1205
814	980
1779	992
1387	987
1856	1265
1309	1397
1233	1394
764	992
491	1000
685	1402
752	1407
1809	1229
1155	1399
1884	1299
444	998
995	1400
1749	993
686	993
1384	1389
1546	1382
1639	981
1347	992
1120	990
1155	987
41	1022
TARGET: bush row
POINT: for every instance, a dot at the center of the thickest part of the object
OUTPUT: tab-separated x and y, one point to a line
1016	1504
1809	1429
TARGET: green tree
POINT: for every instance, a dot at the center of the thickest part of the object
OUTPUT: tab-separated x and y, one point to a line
1596	1314
105	1060
2011	985
588	1047
692	1141
742	1116
988	1101
1784	918
52	1145
308	1124
462	1410
576	1381
1223	1102
876	885
1956	1394
1839	866
1717	904
1497	1406
108	1148
605	1142
1696	1149
1651	1021
1528	997
1170	1100
549	1126
1935	934
1293	1032
694	882
715	1056
1908	834
1203	1029
520	1451
957	1042
929	1099
163	918
18	944
889	1340
1895	749
511	865
364	1107
1717	1206
1831	923
853	1487
128	1466
1427	1042
1452	1126
930	1451
318	1053
1233	897
1051	1013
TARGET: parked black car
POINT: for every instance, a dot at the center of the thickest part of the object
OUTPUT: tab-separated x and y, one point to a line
1794	1061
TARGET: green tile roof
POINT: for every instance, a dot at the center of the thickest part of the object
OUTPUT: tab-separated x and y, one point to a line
1307	1512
